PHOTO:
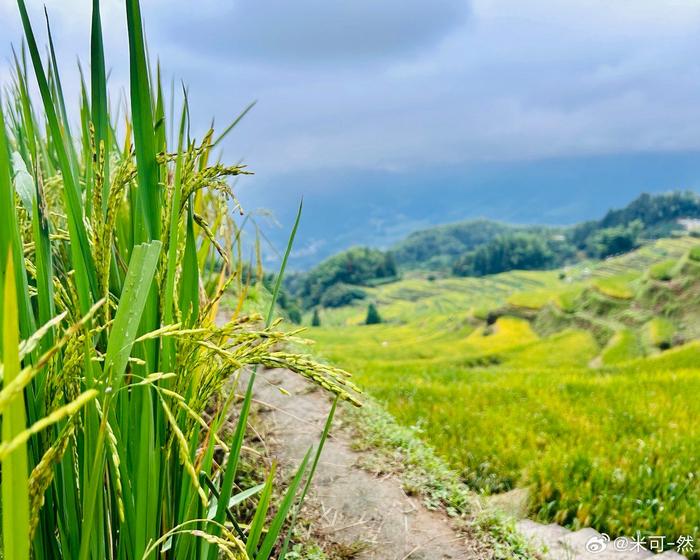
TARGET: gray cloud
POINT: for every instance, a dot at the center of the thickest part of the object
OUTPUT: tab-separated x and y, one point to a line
309	32
413	84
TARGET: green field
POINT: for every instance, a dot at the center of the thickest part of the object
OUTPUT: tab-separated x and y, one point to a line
567	392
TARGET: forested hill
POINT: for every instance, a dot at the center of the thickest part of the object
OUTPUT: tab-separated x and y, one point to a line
481	247
441	246
620	230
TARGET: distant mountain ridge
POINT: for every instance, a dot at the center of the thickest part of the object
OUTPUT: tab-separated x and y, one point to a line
481	247
442	246
380	207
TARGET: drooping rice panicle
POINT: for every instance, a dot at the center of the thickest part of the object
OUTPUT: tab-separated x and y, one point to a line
116	246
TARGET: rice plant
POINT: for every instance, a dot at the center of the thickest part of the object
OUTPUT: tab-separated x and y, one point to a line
116	247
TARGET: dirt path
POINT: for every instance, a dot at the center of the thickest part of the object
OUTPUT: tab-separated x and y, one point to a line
359	515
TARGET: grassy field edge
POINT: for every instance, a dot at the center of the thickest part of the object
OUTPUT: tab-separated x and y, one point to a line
390	448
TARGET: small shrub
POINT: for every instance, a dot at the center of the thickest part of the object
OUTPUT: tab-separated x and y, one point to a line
294	315
315	319
373	317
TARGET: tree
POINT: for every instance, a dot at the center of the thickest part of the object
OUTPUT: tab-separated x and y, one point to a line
440	246
316	320
615	240
294	314
513	251
389	265
341	294
358	266
373	317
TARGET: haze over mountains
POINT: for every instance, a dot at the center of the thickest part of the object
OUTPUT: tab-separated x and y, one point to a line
379	207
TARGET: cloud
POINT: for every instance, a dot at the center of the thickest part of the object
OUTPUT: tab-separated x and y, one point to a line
413	84
309	32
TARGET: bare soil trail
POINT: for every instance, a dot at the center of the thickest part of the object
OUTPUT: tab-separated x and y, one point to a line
356	514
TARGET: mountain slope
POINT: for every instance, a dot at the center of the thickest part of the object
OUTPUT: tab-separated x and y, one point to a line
482	247
357	206
562	382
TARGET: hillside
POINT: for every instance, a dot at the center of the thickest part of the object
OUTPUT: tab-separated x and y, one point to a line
439	247
380	207
579	385
418	294
482	247
632	312
645	218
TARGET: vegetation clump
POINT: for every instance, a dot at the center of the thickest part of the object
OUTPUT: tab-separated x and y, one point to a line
617	287
516	251
659	333
614	240
341	294
359	266
694	253
623	347
373	317
116	248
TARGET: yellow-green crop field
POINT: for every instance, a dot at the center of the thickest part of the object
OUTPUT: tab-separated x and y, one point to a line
601	435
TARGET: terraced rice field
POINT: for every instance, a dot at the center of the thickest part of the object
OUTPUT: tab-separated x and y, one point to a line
614	446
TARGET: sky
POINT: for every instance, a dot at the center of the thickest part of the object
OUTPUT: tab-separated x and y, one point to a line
399	87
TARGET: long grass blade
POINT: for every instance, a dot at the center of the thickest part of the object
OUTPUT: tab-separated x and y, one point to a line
283	267
258	523
189	286
230	127
142	267
98	87
144	135
15	470
86	278
10	241
278	521
239	434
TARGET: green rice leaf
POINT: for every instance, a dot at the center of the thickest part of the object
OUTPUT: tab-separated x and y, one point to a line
142	115
239	434
86	278
278	521
15	471
258	523
24	184
230	127
98	86
189	287
142	267
10	242
283	267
